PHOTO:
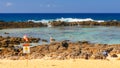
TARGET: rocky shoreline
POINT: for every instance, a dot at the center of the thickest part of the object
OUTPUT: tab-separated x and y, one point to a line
6	25
56	50
62	50
30	24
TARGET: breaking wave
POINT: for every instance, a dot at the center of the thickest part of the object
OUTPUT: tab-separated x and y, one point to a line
65	20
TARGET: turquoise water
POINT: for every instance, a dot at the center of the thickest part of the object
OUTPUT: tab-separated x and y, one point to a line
94	34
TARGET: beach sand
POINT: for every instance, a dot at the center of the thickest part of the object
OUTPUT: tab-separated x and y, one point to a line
71	63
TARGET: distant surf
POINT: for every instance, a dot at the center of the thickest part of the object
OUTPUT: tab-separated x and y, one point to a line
65	20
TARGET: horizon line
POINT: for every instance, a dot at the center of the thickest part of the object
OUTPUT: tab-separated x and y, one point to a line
58	13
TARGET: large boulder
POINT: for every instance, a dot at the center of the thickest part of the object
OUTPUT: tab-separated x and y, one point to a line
64	44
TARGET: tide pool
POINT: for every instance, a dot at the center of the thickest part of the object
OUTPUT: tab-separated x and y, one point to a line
94	34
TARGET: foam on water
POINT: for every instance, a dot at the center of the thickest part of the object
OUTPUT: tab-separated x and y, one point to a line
65	20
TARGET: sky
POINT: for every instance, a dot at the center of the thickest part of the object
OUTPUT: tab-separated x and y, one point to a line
59	6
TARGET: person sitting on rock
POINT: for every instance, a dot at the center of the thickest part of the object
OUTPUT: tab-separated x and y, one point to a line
105	54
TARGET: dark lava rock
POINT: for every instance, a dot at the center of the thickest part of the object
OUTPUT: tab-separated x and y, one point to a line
65	44
114	55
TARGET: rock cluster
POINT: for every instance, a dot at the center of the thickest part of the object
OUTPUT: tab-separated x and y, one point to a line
64	50
89	23
4	25
11	41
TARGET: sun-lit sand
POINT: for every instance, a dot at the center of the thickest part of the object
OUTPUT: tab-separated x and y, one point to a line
71	63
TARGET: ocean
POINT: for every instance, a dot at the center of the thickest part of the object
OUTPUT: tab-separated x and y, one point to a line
94	34
53	16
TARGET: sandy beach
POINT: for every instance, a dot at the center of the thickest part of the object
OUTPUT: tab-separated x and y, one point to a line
71	63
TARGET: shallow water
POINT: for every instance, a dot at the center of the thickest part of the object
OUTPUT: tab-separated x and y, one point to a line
94	34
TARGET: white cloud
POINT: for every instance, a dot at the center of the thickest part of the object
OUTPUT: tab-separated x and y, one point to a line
8	4
47	5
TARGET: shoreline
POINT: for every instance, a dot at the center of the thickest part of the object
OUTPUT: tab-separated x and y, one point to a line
63	54
62	50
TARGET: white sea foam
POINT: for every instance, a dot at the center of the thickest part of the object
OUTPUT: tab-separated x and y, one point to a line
65	20
49	25
99	21
40	21
74	19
